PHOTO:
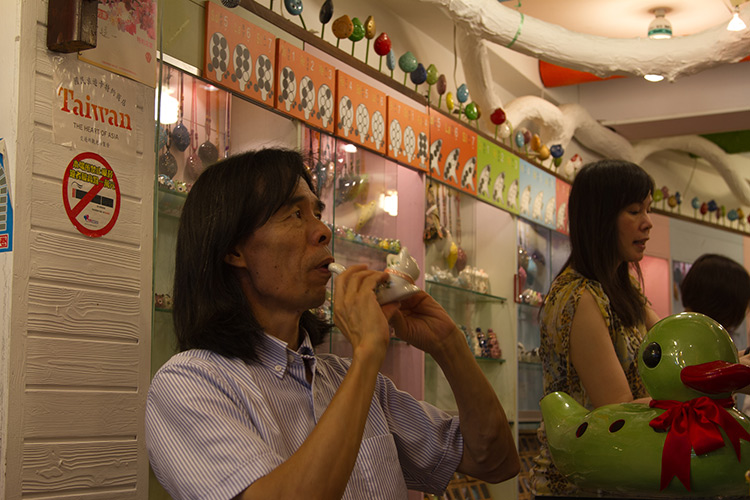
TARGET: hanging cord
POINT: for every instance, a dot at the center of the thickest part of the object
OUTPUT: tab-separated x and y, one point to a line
194	118
692	173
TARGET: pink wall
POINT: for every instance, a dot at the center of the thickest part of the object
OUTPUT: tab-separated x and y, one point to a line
657	284
656	266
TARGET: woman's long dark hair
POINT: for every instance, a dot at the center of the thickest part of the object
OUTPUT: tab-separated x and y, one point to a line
600	191
228	202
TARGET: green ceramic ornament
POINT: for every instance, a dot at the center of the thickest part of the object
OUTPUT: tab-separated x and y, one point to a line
407	63
471	111
690	366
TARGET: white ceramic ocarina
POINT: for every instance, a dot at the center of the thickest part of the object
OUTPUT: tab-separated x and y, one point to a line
403	270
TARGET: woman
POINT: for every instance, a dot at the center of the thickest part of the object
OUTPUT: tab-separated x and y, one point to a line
595	314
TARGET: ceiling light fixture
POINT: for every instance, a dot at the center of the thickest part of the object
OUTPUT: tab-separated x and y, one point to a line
653	78
660	28
736	24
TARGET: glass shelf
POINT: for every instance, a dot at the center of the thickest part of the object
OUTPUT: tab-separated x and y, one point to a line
447	291
346	241
491	360
170	202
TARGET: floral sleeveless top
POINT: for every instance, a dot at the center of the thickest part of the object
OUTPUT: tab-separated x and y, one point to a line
558	371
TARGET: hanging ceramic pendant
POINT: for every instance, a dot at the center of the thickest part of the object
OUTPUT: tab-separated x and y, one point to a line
208	151
168	163
180	134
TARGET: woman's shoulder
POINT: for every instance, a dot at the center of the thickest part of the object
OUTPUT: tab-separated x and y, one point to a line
570	284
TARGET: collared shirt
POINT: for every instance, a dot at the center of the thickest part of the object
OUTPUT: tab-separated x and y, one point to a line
214	425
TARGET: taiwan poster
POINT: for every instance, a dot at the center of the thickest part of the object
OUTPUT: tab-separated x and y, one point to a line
97	110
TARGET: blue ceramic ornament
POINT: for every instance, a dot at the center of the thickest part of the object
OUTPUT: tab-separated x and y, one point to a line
556	150
181	137
695	203
689	442
712	206
419	75
519	138
325	15
390	61
294	7
462	94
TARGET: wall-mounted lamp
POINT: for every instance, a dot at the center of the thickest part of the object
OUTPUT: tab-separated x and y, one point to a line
736	24
660	28
71	25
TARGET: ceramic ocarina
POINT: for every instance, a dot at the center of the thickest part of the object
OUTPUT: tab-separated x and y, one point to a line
403	270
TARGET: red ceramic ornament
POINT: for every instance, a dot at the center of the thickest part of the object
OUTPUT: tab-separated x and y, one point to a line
498	116
382	44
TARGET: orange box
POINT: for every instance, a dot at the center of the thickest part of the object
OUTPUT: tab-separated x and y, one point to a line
360	113
239	55
305	86
408	135
453	153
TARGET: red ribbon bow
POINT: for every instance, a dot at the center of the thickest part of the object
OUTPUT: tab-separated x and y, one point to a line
694	425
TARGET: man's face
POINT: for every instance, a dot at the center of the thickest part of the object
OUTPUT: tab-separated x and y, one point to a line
285	261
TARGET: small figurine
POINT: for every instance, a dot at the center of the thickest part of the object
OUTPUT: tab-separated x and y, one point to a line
495	351
481	344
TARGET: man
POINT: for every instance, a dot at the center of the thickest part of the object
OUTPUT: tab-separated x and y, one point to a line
248	410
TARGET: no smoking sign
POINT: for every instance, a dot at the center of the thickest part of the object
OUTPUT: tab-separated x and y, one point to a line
91	194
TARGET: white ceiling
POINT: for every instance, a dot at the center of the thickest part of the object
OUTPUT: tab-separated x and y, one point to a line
710	102
625	18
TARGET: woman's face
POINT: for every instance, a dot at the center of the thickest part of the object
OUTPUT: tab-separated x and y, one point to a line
633	228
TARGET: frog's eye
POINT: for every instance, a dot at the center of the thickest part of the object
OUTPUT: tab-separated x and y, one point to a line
652	354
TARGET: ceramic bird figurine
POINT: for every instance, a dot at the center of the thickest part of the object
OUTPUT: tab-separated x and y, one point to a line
689	442
404	272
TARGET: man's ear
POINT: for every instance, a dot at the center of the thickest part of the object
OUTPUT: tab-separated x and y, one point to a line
235	258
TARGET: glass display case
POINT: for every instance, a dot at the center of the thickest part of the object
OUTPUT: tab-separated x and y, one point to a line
541	255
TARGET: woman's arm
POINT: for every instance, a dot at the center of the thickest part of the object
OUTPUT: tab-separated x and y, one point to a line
594	358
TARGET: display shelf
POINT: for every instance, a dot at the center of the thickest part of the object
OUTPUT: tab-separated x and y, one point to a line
344	242
170	202
444	291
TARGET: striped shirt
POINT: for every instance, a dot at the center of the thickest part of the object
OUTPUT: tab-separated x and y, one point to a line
214	425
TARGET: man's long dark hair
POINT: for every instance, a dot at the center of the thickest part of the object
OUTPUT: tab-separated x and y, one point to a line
229	201
600	191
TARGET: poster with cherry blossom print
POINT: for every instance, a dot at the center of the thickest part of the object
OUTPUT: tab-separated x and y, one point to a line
126	39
